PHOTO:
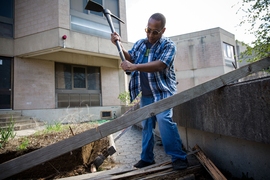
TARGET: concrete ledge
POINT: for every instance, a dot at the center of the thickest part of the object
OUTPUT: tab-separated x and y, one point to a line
241	110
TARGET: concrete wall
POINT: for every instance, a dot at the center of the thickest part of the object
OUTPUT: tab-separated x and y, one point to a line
200	57
71	115
32	16
231	125
233	156
34	85
6	47
110	86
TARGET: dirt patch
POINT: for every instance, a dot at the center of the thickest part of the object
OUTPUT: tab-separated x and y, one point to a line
69	164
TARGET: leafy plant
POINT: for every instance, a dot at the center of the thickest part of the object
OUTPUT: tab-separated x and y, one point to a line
258	17
56	127
24	144
7	133
124	97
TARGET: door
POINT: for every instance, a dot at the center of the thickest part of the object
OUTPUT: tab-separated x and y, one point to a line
5	83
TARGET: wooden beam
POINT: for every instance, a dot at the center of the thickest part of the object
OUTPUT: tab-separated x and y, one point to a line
163	170
208	165
47	153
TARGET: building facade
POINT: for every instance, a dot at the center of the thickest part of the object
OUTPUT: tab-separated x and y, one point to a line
204	55
57	61
57	55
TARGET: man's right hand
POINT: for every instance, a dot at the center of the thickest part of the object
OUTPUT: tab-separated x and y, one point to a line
115	37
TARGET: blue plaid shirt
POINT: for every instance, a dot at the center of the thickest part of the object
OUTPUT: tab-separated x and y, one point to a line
162	83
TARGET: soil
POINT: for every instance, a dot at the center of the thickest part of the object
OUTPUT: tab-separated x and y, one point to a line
73	163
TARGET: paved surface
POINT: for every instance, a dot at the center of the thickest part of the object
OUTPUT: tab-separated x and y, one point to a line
128	148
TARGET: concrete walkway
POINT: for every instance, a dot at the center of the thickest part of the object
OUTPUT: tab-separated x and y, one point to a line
128	148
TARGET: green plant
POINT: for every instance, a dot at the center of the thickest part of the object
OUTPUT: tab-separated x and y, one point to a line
124	97
24	144
7	133
257	16
57	126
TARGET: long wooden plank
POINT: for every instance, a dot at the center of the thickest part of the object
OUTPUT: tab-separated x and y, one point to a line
139	174
142	171
47	153
209	165
119	171
179	175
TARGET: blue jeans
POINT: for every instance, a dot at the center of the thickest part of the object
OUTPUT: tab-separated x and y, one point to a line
168	130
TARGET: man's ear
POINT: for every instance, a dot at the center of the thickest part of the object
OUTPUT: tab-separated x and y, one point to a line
163	30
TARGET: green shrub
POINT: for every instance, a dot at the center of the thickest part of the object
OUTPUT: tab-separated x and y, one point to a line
56	127
24	144
7	133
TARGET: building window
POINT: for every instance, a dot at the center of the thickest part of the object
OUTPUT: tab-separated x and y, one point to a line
229	54
77	86
6	18
91	22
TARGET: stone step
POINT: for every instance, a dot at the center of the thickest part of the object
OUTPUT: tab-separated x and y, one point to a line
5	115
20	122
2	112
24	126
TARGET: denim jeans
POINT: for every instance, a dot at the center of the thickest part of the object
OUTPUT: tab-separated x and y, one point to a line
168	130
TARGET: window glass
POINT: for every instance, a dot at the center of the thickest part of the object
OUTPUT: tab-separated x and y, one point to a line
93	78
6	30
63	100
228	51
6	8
5	73
91	27
63	76
95	100
6	18
93	22
113	6
86	84
79	77
97	13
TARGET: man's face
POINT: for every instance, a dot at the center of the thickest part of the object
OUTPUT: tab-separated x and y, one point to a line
154	30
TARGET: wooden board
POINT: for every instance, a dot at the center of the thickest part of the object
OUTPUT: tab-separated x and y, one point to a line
161	171
34	158
208	165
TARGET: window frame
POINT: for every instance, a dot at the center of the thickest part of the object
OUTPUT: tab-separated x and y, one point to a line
228	60
93	94
77	22
8	21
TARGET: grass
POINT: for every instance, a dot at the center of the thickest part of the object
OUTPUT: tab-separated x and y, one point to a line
24	144
7	133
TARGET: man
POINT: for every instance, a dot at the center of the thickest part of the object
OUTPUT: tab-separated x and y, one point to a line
150	62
